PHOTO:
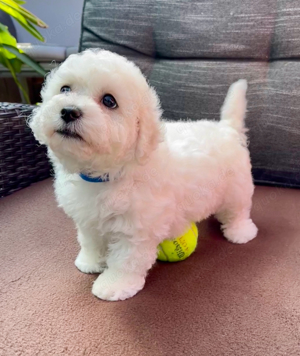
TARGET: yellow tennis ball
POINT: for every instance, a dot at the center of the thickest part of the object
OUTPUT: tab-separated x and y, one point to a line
180	248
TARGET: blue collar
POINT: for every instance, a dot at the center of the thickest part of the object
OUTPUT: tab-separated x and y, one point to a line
100	179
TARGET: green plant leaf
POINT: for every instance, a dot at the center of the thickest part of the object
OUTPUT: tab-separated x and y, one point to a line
22	21
20	2
25	59
13	73
13	60
27	14
8	39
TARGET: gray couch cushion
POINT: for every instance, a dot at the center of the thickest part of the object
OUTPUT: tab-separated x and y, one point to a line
192	51
183	29
286	30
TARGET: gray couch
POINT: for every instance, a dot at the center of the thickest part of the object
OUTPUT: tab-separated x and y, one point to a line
225	299
191	51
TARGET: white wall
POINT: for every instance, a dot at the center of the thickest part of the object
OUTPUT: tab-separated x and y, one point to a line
63	18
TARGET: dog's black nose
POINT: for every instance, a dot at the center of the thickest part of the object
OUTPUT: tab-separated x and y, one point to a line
69	114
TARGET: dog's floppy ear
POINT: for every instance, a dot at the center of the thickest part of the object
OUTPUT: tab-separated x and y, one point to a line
149	126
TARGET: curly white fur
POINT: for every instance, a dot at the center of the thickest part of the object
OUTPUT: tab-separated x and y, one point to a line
162	175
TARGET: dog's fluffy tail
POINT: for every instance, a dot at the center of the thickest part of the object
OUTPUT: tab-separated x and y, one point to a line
234	108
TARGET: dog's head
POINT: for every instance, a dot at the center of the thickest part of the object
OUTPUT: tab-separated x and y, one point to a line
97	113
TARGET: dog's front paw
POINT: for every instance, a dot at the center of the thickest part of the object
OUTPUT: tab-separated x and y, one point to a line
115	285
89	263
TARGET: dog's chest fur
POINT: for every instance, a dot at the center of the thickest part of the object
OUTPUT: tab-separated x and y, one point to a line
104	206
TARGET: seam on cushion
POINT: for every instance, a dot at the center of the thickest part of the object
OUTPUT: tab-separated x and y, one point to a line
82	27
273	34
117	44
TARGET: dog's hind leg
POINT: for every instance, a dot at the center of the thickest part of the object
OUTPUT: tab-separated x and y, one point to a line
234	216
237	226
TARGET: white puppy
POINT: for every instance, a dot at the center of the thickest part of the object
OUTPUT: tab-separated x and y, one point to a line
128	180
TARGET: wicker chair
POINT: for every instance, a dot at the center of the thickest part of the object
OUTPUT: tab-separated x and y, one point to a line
22	160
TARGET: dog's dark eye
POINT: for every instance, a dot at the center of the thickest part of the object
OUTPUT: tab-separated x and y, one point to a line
65	89
109	101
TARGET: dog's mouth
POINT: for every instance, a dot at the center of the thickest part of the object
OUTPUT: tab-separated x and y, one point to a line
69	134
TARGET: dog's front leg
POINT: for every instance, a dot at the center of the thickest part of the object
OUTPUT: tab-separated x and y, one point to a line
128	261
92	256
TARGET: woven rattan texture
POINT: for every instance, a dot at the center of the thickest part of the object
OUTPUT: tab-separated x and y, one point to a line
22	160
